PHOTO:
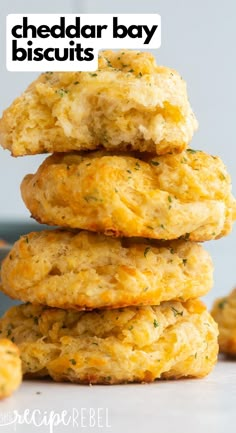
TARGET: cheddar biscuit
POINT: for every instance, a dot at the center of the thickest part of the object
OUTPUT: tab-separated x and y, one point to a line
129	103
87	270
165	197
10	366
133	344
224	313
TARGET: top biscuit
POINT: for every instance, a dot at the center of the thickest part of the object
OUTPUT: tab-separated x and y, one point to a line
129	103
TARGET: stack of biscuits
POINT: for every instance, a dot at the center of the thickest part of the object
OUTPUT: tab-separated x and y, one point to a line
112	294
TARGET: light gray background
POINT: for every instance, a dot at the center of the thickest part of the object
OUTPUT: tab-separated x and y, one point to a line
198	40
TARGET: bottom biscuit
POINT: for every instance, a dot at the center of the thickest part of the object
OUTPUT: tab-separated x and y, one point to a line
224	313
10	367
133	344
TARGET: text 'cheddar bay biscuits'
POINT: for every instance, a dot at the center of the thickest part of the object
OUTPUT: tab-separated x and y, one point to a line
165	197
224	313
87	270
10	366
129	103
132	344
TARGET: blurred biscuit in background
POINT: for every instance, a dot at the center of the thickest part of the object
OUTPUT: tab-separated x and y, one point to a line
10	366
224	313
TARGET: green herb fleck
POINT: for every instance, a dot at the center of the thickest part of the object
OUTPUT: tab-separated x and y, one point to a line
146	251
195	356
222	303
73	361
155	323
169	199
172	251
61	92
185	261
89	198
129	171
192	151
93	75
131	327
176	312
154	163
76	82
108	61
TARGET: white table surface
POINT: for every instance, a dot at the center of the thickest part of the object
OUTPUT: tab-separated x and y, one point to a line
186	406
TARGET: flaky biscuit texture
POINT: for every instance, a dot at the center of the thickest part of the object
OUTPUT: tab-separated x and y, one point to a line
128	103
86	270
132	344
165	197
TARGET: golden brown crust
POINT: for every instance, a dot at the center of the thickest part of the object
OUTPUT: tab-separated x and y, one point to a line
165	197
10	367
86	270
133	344
129	103
224	313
